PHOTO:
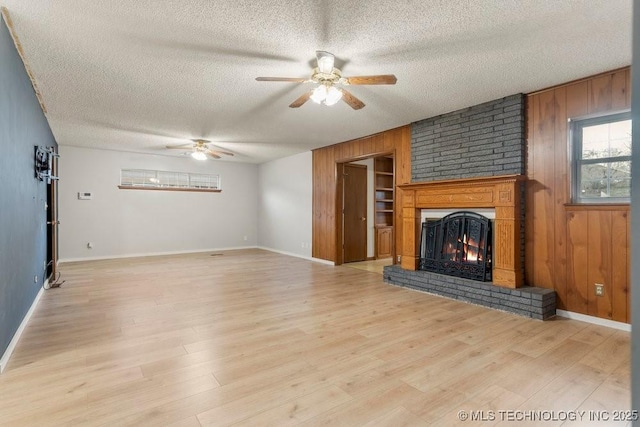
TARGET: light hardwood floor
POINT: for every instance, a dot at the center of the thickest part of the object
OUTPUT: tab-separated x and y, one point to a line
257	338
374	266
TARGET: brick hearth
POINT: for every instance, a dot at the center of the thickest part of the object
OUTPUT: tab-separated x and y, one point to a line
536	303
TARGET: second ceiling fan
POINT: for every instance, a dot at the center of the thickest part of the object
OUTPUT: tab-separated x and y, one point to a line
329	79
200	149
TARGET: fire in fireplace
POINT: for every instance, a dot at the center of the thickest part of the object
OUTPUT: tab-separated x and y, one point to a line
457	245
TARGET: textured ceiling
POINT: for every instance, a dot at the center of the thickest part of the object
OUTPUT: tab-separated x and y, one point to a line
138	75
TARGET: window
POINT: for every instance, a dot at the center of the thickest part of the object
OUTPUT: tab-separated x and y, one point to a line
602	159
143	179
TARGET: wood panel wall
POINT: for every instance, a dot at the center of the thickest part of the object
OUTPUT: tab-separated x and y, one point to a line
570	248
396	141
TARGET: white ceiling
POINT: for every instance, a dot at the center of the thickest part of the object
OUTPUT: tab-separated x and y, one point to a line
138	75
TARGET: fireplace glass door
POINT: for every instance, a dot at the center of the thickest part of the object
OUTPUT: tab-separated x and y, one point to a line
457	245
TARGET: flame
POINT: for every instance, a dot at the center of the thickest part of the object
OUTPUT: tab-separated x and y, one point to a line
465	250
470	249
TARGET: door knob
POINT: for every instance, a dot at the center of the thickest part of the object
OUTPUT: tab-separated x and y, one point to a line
363	218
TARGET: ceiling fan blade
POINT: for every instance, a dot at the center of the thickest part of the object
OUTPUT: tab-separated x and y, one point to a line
353	102
301	100
226	153
213	154
218	153
385	79
281	79
180	146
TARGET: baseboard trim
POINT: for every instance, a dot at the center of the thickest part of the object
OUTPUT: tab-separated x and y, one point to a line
594	320
4	360
318	260
142	255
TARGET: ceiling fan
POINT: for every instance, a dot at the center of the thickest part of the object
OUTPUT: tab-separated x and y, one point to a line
200	149
330	81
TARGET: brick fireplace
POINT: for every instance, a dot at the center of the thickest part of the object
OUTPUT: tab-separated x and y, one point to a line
465	160
501	193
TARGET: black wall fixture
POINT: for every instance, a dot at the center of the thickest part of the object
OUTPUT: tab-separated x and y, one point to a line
44	163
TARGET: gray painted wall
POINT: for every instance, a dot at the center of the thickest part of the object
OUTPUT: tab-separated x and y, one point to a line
22	197
285	189
125	223
483	140
635	217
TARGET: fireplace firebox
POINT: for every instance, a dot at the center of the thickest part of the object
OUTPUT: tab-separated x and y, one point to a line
457	245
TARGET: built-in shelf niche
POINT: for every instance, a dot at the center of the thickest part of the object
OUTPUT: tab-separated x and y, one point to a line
384	205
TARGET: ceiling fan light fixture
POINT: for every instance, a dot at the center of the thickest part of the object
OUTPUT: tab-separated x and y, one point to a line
333	96
319	94
327	77
199	155
325	62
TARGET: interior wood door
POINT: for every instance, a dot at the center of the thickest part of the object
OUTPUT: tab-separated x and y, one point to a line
354	213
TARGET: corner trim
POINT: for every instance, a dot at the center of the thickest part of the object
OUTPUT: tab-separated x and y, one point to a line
594	320
318	260
4	360
18	45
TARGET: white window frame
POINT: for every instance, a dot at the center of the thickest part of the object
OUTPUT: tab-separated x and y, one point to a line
149	179
575	138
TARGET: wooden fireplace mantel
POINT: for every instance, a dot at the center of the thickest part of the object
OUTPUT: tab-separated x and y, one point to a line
499	192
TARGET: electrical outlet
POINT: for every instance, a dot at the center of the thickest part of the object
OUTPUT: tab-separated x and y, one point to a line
89	245
599	290
35	279
399	258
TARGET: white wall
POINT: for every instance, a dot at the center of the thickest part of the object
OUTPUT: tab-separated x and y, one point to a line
138	222
285	204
